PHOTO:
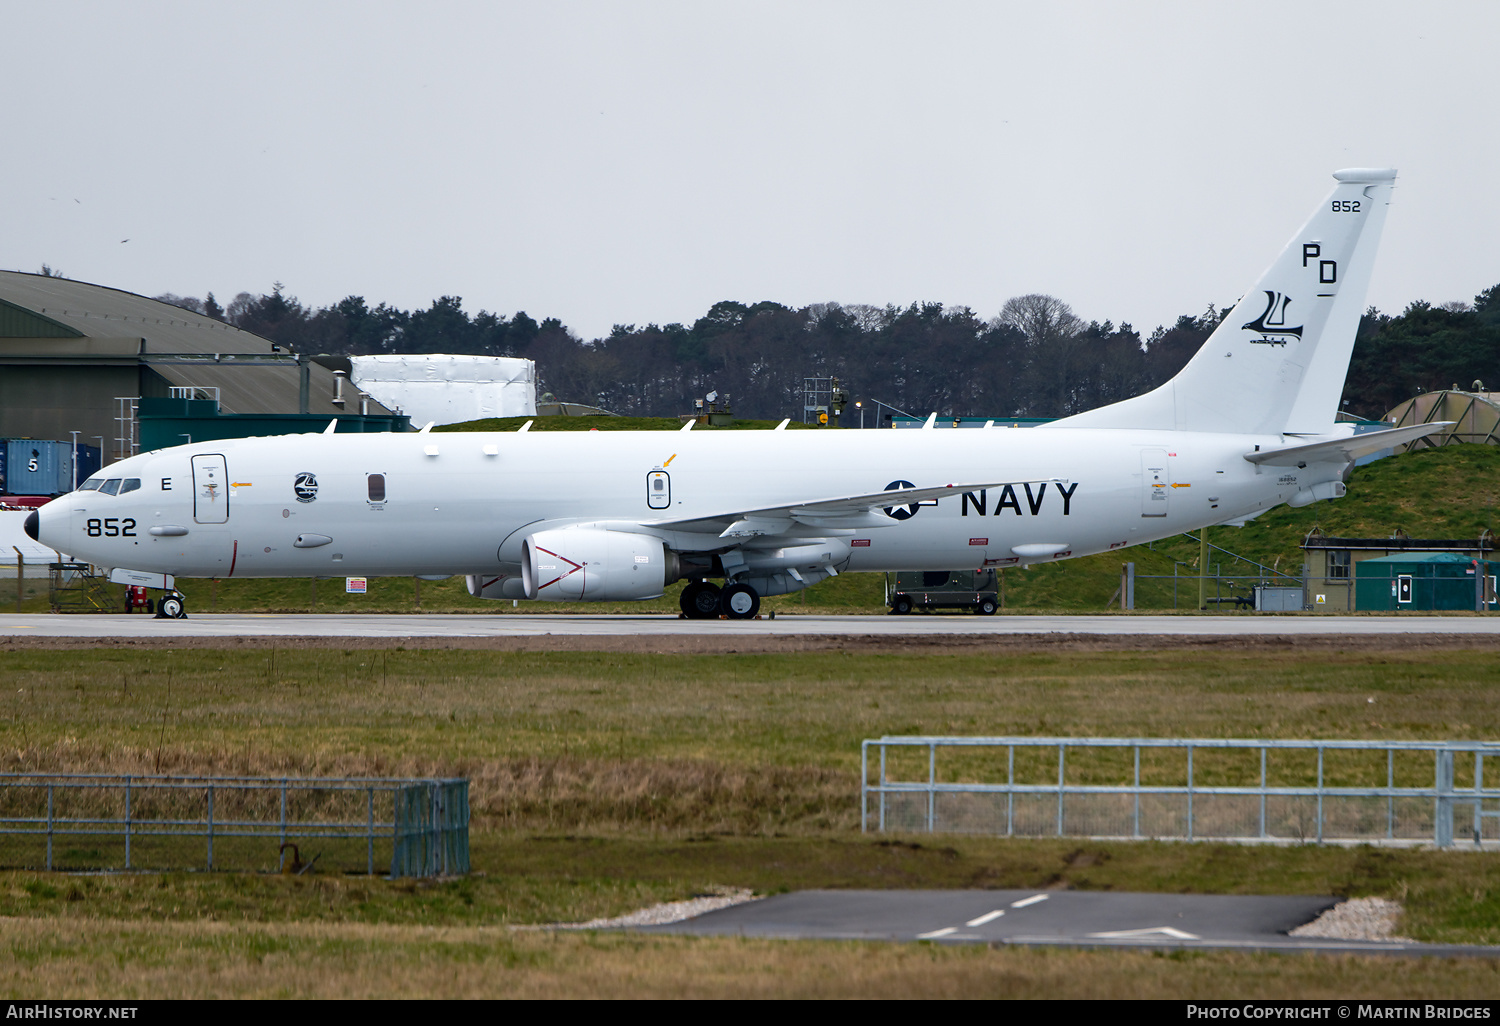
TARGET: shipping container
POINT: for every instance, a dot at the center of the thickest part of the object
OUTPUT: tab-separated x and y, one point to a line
36	467
90	461
1425	581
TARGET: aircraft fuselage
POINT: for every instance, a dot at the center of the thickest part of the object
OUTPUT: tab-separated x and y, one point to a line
461	503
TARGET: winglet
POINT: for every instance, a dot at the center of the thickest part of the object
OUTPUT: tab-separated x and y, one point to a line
688	426
525	427
428	428
931	420
333	425
782	425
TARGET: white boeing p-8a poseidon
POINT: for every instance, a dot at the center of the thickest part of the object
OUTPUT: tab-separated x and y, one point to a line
607	516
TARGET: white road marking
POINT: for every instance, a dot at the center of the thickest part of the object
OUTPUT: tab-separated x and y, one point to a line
1158	931
986	918
935	934
1028	901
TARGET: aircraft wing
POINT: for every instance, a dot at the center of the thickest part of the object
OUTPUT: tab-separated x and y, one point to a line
1345	449
847	512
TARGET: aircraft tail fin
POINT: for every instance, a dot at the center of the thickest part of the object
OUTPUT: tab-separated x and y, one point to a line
1277	362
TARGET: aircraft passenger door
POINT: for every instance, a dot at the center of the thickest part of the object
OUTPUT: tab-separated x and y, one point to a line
210	490
659	489
1156	482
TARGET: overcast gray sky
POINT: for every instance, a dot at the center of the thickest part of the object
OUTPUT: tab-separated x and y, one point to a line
637	162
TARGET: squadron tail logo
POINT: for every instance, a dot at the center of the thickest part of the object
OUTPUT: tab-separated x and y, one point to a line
1272	322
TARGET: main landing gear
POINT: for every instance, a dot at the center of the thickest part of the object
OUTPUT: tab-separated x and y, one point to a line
704	601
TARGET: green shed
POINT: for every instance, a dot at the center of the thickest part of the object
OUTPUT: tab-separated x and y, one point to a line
1425	580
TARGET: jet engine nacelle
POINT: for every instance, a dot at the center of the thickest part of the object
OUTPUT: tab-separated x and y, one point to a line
586	564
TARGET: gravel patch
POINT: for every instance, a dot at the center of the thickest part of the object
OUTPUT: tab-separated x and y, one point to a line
1371	919
668	911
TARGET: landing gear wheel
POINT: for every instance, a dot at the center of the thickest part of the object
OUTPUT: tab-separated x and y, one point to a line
901	606
171	607
986	607
700	601
739	602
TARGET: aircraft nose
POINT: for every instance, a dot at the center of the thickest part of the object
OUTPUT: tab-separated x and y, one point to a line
30	526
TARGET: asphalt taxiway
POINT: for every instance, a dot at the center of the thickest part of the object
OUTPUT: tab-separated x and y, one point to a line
1051	918
367	625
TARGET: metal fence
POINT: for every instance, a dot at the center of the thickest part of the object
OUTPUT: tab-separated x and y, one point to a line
1377	792
104	822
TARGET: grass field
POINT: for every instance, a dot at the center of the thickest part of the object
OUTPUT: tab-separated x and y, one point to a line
603	781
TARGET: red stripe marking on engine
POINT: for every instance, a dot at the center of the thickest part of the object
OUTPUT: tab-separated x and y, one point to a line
576	567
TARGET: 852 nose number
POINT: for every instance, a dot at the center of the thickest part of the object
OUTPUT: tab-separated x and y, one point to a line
111	527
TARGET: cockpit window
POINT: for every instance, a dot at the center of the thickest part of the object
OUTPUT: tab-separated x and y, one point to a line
91	484
130	484
111	487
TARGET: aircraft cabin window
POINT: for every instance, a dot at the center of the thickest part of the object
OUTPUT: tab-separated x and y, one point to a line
130	484
91	484
111	487
376	484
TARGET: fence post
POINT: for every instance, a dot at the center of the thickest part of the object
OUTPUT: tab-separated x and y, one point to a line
1478	791
370	835
1061	772
1320	794
49	828
1442	827
1136	829
283	815
438	861
931	785
127	822
1190	791
1129	593
882	786
1262	794
210	828
20	577
1010	791
1390	799
864	787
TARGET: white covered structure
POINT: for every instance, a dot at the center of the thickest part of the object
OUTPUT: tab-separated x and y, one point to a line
16	546
448	389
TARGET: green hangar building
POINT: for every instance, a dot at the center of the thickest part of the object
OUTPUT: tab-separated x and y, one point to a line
129	373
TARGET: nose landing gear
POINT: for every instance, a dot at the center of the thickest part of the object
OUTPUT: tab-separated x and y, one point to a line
173	606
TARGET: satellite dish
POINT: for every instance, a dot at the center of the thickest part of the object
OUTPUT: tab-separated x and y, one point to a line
712	396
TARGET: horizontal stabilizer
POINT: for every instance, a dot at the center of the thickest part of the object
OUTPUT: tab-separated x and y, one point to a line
1345	450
